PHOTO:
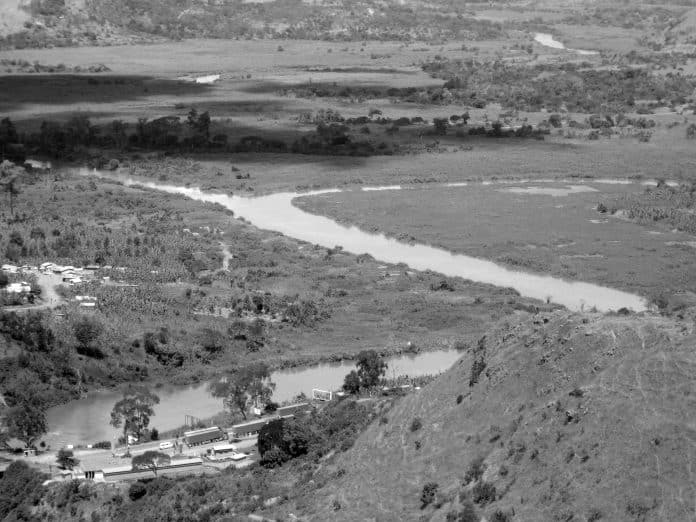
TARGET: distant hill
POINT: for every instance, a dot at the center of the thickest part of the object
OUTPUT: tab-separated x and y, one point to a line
41	23
575	418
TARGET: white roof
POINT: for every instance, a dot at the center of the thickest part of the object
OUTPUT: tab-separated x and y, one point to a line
225	447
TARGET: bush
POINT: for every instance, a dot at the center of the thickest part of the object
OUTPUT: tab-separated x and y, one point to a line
416	424
476	370
66	459
501	516
475	471
460	398
428	494
466	514
136	491
102	444
483	492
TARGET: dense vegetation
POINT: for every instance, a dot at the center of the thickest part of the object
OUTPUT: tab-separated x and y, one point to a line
573	87
111	22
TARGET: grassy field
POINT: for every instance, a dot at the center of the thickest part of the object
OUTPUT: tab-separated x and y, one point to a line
561	234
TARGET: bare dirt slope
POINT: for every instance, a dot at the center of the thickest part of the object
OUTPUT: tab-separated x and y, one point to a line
576	418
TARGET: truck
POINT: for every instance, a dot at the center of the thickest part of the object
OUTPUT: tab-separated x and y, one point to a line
204	436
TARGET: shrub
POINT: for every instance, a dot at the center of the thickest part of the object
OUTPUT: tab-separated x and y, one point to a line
102	444
416	424
691	131
466	514
483	492
428	494
66	459
500	516
475	471
476	370
136	491
460	398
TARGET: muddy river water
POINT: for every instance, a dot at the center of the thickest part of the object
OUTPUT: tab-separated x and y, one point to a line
86	420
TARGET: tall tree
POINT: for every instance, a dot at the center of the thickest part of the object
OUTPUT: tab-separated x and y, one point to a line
133	412
26	422
66	459
151	460
9	181
371	368
243	387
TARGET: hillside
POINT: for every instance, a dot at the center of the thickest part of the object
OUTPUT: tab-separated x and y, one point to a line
576	419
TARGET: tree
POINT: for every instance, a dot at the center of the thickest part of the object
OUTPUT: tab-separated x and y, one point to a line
133	412
281	440
351	383
199	122
9	181
150	460
428	494
440	125
26	422
87	330
66	459
243	387
371	368
20	489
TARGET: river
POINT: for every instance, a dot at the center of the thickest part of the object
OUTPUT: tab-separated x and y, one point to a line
86	420
548	40
277	213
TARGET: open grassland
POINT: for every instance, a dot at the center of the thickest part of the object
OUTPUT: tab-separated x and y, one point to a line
552	231
669	157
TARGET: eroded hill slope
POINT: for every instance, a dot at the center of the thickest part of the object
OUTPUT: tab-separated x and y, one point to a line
575	418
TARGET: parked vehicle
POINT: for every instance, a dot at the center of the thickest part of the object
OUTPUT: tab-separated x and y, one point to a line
167	444
204	436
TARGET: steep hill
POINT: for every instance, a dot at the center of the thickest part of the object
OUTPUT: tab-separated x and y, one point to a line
576	417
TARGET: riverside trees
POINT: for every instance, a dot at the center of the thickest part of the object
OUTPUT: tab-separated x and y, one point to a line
370	369
244	386
133	412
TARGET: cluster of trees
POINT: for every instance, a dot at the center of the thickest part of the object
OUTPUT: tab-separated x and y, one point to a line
244	387
39	376
554	86
334	427
371	368
132	413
